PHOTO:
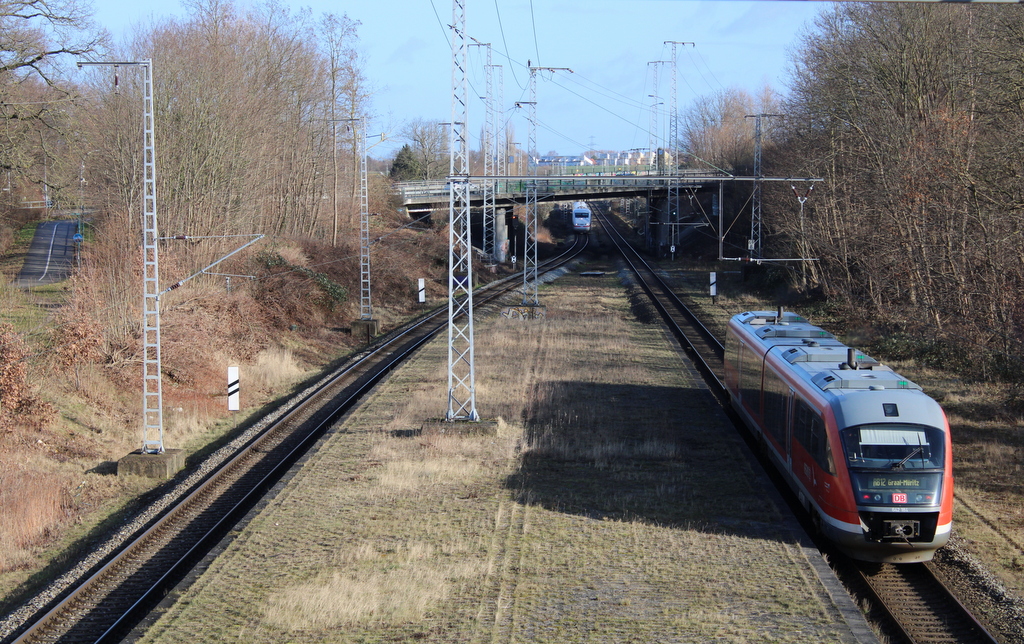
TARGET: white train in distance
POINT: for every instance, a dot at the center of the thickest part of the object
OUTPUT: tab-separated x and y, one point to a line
581	217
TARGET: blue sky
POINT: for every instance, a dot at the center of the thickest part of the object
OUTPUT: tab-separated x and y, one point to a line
603	104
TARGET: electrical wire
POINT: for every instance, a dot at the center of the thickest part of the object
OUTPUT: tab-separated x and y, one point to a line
447	40
683	150
533	22
440	23
560	134
576	77
690	53
504	41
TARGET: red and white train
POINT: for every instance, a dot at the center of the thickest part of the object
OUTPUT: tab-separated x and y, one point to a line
866	451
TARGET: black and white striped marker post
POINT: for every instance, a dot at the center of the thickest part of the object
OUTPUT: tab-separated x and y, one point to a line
233	388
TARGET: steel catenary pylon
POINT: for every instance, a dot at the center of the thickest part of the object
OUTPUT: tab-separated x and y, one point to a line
461	374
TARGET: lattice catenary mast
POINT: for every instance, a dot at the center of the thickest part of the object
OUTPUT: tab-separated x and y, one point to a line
530	295
655	140
152	387
673	146
365	306
359	138
755	244
461	375
488	144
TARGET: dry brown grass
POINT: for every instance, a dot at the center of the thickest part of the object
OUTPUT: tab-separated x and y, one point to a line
413	583
10	296
274	369
32	505
583	515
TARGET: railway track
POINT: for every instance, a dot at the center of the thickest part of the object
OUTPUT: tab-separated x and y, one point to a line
921	605
105	603
916	603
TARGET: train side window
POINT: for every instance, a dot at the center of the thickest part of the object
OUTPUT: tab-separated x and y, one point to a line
802	424
820	448
732	352
750	379
809	431
815	447
776	399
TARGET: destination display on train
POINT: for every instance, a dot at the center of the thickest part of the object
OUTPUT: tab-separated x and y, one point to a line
893	482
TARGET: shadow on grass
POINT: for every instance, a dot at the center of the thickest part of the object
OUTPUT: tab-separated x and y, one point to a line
654	454
104	468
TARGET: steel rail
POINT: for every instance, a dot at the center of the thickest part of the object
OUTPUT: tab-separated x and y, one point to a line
366	370
921	606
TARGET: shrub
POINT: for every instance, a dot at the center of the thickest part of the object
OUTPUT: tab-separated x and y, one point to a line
17	404
331	293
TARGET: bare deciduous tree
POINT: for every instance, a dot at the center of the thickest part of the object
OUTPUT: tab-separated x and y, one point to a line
429	143
912	114
38	40
243	106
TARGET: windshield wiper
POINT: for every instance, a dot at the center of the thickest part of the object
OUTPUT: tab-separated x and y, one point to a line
912	454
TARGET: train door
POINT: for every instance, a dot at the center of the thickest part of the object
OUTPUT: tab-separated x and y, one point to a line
790	401
750	382
815	469
825	473
776	412
802	456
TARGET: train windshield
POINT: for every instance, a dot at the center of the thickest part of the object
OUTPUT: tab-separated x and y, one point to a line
894	447
895	465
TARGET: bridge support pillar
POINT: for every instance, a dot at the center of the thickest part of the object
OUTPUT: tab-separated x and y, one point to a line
500	237
659	235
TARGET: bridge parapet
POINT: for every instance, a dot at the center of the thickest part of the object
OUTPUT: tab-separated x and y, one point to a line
511	188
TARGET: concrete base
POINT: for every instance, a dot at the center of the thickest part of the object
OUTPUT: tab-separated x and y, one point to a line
152	466
365	329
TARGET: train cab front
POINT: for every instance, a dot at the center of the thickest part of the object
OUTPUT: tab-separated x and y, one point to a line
902	488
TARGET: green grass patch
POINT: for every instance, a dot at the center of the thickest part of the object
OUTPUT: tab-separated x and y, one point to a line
25	234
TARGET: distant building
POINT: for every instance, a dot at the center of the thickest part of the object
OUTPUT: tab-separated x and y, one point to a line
604	158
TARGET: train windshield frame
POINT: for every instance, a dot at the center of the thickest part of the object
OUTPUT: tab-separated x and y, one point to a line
894	446
895	464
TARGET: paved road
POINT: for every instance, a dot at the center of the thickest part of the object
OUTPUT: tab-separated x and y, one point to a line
50	256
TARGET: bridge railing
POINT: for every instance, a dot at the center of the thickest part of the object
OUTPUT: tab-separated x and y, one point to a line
437	191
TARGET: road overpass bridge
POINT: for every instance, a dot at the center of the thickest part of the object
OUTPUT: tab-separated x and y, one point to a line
423	196
661	226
